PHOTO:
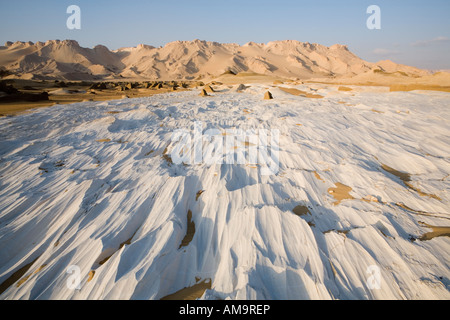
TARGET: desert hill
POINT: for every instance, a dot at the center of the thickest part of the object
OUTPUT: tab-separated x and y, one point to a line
188	60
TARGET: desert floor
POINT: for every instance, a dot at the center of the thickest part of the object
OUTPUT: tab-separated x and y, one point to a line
356	206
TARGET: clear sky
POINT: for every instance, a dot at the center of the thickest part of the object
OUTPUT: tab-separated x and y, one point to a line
412	32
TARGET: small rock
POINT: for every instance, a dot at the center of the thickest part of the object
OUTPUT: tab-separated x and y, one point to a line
209	89
268	96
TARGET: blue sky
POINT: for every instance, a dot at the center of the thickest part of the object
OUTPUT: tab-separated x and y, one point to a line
412	32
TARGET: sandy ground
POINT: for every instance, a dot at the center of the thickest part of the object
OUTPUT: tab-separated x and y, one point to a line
297	92
247	77
71	94
372	81
397	81
190	293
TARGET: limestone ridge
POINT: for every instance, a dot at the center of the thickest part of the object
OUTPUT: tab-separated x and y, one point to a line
184	60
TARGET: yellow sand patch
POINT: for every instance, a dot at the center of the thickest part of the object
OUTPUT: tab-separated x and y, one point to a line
199	194
412	87
401	175
345	89
405	207
22	281
297	92
419	212
15	276
167	157
190	293
318	177
91	275
421	193
369	199
341	192
313	96
293	91
437	232
346	103
189	232
406	178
